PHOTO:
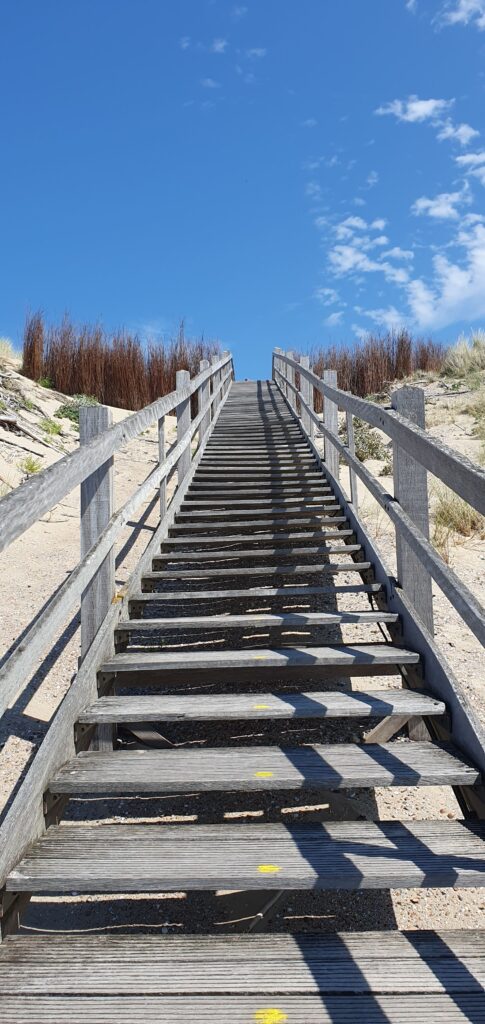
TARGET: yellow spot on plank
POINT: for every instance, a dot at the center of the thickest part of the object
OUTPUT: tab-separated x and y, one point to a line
261	707
270	1016
263	775
268	869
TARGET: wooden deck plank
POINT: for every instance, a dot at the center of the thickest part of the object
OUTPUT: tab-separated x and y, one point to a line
357	704
283	621
331	766
335	855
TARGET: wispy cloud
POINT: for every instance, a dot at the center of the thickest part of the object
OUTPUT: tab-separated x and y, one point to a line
219	46
412	5
415	110
463	133
442	207
391	319
334	319
239	11
372	179
396	253
184	42
474	165
327	296
463	12
210	83
354	251
309	123
256	52
457	291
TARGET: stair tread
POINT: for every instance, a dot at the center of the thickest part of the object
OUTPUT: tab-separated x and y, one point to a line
241	538
335	964
351	704
259	554
250	593
255	621
285	657
333	855
246	769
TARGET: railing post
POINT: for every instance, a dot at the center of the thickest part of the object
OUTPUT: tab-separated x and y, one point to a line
161	459
411	491
354	494
96	512
330	412
225	354
277	365
204	395
215	380
306	391
182	379
290	374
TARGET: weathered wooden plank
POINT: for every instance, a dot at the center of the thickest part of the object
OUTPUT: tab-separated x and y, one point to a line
330	656
358	704
456	471
96	512
411	491
247	769
205	542
307	1009
265	571
283	621
334	855
303	592
251	554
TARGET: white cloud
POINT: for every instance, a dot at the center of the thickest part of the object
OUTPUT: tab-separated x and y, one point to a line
463	133
334	319
379	224
361	332
443	206
327	296
412	5
309	123
209	83
219	46
464	12
256	51
396	253
389	318
351	259
184	42
239	11
474	165
457	292
415	110
359	202
372	179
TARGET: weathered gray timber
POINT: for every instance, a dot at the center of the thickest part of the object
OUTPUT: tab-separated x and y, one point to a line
361	704
340	855
237	626
332	766
96	512
411	491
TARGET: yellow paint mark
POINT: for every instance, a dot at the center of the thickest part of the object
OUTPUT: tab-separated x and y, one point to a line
260	657
268	869
118	597
261	707
263	775
270	1016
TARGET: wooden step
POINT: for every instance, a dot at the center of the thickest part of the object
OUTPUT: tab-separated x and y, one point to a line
254	506
335	658
333	766
283	970
254	478
335	855
245	1009
270	513
280	495
255	554
203	542
253	572
262	595
290	621
255	527
261	706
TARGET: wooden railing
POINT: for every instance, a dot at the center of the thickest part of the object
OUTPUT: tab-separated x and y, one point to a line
92	582
414	454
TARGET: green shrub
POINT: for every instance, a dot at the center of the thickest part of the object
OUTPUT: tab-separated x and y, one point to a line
28	404
50	427
45	382
30	465
70	410
368	444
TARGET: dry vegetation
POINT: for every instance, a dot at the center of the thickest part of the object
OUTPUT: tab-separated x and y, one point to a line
366	368
115	369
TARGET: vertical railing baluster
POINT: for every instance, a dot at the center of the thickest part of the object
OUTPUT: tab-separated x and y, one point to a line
182	379
330	410
354	494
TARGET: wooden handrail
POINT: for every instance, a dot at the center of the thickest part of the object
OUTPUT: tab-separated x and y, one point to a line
18	667
462	599
458	472
26	504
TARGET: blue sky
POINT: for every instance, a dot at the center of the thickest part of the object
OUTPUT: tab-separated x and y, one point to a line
276	172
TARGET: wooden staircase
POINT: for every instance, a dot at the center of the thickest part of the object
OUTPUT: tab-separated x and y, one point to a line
261	606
